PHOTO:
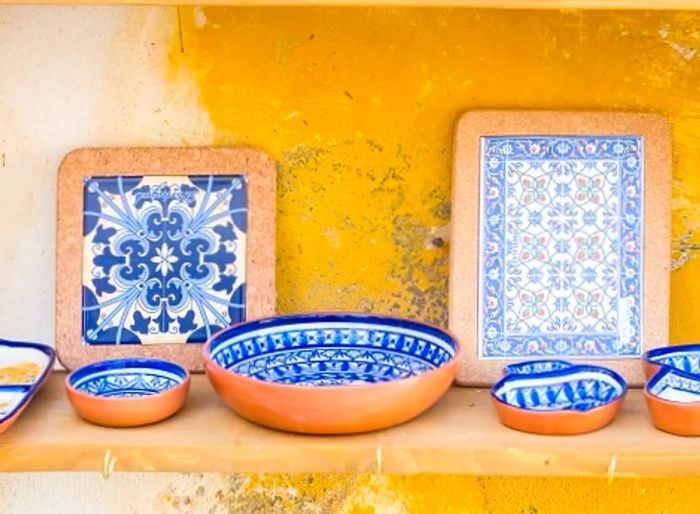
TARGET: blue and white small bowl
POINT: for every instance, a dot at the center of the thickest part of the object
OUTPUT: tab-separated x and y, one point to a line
535	367
673	398
572	400
127	392
685	357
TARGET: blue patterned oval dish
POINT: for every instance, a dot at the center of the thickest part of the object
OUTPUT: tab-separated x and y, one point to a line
674	385
684	357
673	399
331	373
572	400
536	367
127	378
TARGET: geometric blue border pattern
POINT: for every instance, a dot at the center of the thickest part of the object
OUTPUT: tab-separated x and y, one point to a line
560	272
163	258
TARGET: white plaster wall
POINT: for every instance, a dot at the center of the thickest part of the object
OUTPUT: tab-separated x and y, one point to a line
71	77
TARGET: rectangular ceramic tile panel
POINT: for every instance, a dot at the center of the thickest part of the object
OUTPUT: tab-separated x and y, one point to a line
561	246
158	248
560	239
163	258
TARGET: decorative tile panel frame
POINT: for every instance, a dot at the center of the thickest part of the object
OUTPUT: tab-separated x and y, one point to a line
558	248
159	248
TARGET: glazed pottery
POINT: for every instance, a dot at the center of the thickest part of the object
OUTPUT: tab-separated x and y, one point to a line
673	398
573	400
331	373
536	366
684	357
127	392
24	367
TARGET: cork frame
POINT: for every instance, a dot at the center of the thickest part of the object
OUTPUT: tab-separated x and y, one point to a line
260	296
464	288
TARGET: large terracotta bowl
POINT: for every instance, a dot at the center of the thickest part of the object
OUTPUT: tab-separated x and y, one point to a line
331	373
673	398
683	357
127	392
573	400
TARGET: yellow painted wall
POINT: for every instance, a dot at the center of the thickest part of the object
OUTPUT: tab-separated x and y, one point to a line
358	105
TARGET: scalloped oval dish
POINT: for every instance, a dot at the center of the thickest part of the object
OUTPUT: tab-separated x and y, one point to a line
673	398
331	373
573	400
24	368
127	392
684	357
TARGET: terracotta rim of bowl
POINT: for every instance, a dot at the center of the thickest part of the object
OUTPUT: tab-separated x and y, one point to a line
458	356
557	373
116	399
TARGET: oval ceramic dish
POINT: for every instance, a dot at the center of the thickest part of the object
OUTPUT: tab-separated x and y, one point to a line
331	373
673	398
685	357
573	400
24	367
535	367
127	392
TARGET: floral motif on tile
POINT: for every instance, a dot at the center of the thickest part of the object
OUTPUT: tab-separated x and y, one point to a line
561	246
163	258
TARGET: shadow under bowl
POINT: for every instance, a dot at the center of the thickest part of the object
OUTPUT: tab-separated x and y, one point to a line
127	392
331	373
573	400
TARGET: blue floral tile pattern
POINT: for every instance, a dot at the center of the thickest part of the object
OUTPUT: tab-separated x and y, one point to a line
561	247
163	258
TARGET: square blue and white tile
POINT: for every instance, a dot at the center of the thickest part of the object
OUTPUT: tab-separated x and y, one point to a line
163	257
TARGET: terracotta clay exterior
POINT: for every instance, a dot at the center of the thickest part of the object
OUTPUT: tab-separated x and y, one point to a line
128	412
674	417
332	409
563	422
650	368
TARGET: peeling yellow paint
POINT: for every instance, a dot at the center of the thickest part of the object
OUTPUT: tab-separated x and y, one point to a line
358	105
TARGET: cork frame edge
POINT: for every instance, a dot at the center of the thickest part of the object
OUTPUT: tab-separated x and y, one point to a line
463	308
260	171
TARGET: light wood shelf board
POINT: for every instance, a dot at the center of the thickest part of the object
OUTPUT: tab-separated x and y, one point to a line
461	434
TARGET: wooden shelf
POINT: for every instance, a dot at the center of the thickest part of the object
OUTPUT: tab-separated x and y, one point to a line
461	434
497	4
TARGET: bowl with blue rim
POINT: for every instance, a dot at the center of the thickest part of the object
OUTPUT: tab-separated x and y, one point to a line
331	373
683	357
127	392
561	400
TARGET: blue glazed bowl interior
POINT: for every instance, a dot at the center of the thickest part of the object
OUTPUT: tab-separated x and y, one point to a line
127	378
579	388
331	349
534	367
682	357
675	386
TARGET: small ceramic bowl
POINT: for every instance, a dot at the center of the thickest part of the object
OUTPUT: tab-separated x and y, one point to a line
127	392
673	398
535	367
573	400
685	357
331	373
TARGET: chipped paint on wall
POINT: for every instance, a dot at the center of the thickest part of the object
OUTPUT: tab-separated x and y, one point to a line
359	104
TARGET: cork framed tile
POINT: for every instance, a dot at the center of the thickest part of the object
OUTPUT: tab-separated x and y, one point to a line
560	244
159	248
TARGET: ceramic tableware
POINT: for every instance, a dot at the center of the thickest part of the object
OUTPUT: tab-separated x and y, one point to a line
536	366
684	357
331	373
673	398
24	367
573	400
127	392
